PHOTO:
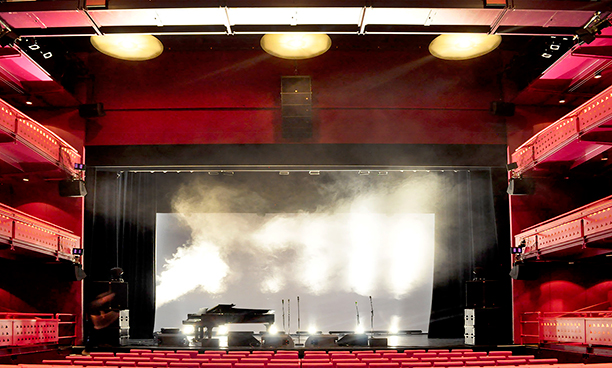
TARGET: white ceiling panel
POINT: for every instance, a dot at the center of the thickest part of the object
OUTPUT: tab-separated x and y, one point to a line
294	16
396	16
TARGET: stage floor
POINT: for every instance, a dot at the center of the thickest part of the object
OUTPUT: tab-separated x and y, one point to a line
407	341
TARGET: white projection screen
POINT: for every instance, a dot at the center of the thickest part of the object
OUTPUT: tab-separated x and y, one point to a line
356	238
334	263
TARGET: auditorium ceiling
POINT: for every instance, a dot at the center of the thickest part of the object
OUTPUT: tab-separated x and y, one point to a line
46	42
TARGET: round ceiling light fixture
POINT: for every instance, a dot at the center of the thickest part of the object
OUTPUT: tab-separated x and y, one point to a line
463	46
295	46
128	46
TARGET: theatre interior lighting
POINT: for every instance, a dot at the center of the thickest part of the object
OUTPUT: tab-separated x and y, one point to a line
295	46
128	47
463	46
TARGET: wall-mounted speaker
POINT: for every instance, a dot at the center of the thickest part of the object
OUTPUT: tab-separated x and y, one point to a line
296	107
523	186
93	110
72	188
501	108
522	271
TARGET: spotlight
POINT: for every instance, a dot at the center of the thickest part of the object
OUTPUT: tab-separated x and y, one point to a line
592	29
597	74
295	46
128	47
562	100
463	46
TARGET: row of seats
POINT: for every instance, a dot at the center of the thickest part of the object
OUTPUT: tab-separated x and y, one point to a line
442	358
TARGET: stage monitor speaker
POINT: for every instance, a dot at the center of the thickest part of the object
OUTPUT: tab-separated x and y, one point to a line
523	186
171	338
72	188
93	110
321	341
353	340
501	108
378	342
278	340
241	338
521	271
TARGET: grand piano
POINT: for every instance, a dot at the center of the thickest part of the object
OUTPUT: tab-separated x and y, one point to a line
208	318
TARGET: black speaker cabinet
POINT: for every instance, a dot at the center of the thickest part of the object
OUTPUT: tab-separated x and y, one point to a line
524	272
241	338
321	341
296	107
501	108
72	188
523	186
278	340
482	294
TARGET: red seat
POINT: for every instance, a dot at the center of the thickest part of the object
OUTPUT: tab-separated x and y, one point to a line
500	353
450	355
461	350
89	362
215	352
424	355
317	364
184	365
410	353
225	359
249	365
356	364
136	359
511	361
127	355
416	364
449	364
122	363
96	354
57	361
191	353
79	357
543	361
344	361
152	364
438	351
292	364
479	363
384	365
216	365
140	351
178	355
253	360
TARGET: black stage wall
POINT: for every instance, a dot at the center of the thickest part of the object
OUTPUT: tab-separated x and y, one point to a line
471	215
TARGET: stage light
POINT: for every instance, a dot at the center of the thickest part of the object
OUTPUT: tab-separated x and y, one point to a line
562	100
295	46
597	74
273	329
359	329
312	330
188	329
463	46
222	330
128	47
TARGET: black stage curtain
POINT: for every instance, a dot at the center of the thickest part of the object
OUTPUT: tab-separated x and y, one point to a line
468	241
120	232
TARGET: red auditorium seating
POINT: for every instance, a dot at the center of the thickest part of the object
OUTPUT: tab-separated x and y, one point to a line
249	365
511	361
480	363
140	351
227	359
216	365
184	365
424	355
151	364
96	354
253	360
542	361
387	364
500	353
348	365
319	364
57	362
410	353
293	364
416	364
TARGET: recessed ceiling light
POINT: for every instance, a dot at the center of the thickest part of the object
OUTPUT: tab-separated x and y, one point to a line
128	47
463	46
561	100
597	75
295	46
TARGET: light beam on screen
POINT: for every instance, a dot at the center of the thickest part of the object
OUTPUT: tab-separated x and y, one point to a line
191	267
362	261
408	254
394	324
